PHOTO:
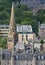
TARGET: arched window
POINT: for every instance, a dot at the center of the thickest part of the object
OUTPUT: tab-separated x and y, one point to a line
22	37
27	37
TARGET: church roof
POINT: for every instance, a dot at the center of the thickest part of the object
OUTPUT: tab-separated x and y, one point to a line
19	45
24	28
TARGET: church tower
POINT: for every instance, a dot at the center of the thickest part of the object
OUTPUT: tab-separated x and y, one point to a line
12	36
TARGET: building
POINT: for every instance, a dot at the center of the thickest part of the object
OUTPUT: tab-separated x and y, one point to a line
19	33
12	35
30	3
34	5
4	30
22	58
42	31
22	30
25	33
19	58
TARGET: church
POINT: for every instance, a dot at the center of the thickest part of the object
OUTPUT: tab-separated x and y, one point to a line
19	33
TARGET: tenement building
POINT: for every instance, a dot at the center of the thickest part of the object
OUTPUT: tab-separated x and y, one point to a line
22	59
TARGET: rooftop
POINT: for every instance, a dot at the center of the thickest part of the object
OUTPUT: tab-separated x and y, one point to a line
24	28
20	28
42	26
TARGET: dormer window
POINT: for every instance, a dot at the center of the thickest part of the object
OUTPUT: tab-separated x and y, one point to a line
39	57
16	57
42	57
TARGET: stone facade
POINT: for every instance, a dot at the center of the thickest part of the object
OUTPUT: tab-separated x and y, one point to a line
23	38
25	33
12	36
23	59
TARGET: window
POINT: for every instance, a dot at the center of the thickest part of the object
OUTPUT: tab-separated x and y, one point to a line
16	57
42	57
3	56
38	57
22	37
26	37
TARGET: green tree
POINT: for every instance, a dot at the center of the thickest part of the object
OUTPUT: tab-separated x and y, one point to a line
3	42
29	19
41	16
41	47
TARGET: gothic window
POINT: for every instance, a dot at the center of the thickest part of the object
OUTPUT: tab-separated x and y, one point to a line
3	56
22	37
26	37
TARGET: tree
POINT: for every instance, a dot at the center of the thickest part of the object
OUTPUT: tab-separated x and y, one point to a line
41	47
29	19
3	42
41	15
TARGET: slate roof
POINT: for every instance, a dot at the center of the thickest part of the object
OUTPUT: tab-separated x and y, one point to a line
42	26
19	45
24	57
20	28
7	57
41	56
4	26
24	28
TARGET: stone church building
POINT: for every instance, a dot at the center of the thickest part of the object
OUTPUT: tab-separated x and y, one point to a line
21	33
